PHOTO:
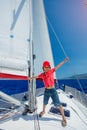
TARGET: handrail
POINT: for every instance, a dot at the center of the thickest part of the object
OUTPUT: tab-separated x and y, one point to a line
78	95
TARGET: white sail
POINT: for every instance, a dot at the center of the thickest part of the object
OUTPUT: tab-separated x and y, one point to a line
42	45
14	43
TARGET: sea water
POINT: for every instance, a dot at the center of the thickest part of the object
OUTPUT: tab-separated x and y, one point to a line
18	86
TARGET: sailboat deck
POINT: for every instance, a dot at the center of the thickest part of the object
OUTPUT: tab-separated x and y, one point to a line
76	121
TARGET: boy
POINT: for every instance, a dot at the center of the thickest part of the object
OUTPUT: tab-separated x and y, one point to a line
50	91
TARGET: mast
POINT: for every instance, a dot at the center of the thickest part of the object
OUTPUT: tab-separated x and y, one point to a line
31	83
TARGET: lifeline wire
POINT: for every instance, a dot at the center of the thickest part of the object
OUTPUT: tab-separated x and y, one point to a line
73	70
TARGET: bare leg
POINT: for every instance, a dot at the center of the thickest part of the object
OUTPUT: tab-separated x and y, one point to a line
63	116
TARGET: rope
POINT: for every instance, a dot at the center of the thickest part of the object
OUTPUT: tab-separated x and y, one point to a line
78	114
36	121
5	101
58	40
70	127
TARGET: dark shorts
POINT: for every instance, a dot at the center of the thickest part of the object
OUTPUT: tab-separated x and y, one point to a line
53	94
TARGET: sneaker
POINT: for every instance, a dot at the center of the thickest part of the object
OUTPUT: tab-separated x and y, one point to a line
41	114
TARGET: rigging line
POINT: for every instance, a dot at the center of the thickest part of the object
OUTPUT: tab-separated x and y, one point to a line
5	109
5	101
36	121
78	114
65	53
70	127
56	37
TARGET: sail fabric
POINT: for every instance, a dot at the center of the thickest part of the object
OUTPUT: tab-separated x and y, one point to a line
41	40
15	42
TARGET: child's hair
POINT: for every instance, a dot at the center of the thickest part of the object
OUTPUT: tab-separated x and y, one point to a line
47	67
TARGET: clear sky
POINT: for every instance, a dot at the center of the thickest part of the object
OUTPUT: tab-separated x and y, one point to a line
69	20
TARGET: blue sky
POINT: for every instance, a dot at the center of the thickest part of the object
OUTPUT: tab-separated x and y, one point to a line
69	20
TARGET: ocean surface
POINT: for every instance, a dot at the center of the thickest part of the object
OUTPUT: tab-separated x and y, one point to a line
80	84
18	86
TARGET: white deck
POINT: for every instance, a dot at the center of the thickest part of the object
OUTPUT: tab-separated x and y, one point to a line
77	120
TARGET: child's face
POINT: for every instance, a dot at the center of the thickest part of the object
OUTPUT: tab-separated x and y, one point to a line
45	69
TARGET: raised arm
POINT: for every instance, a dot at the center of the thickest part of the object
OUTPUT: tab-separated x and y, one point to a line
63	62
